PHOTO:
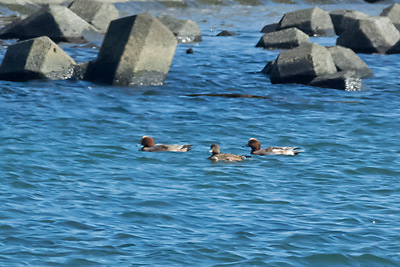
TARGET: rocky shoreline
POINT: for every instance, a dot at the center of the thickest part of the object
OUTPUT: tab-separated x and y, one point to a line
138	50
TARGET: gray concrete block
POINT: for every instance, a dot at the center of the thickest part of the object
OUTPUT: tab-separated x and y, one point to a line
302	64
137	50
98	14
343	80
371	35
185	30
38	58
269	28
392	12
287	38
342	19
312	21
57	22
345	59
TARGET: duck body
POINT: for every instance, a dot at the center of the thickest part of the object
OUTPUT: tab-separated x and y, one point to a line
149	146
255	146
218	156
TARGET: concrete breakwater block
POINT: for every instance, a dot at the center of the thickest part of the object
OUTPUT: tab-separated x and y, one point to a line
392	12
98	14
38	58
395	49
371	35
269	28
302	64
287	38
80	71
346	60
137	50
343	80
185	30
312	21
311	64
57	22
343	19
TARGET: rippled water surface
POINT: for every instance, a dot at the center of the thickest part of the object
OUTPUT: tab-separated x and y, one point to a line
76	191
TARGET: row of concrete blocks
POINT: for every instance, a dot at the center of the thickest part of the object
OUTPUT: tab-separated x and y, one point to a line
315	65
137	50
356	30
84	18
332	67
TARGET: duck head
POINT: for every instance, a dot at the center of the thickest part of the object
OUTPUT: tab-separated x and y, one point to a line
147	141
214	149
254	144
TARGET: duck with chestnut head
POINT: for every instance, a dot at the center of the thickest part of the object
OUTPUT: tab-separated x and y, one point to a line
255	146
150	146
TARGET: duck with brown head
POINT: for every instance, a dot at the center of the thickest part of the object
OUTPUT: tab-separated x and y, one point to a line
150	146
218	156
255	146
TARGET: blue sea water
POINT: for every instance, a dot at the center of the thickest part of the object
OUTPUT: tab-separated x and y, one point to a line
76	191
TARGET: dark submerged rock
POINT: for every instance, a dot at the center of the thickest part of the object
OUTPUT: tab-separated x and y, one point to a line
371	35
302	64
231	96
345	59
38	58
137	50
287	38
185	30
285	1
250	2
226	33
342	19
312	21
344	80
57	22
98	14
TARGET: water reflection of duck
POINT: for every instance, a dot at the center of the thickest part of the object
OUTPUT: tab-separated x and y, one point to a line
149	146
255	146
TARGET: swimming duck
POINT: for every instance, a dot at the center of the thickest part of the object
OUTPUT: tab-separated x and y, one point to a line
274	150
149	146
218	156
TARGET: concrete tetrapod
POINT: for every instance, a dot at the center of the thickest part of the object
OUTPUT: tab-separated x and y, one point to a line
57	22
98	14
38	58
371	35
137	50
312	21
302	64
